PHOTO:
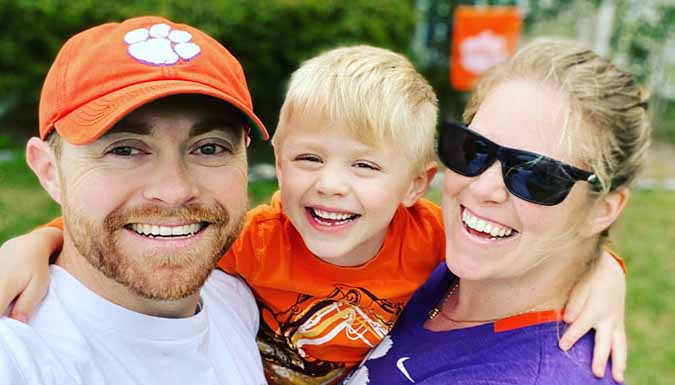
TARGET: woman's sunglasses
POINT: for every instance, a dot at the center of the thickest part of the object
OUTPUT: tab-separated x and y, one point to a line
527	175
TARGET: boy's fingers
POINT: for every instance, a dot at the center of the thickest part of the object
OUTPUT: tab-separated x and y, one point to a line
575	331
619	353
603	343
5	299
28	300
578	298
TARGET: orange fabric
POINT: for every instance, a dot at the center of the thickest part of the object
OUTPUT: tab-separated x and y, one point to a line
97	78
56	222
527	319
481	37
320	318
618	260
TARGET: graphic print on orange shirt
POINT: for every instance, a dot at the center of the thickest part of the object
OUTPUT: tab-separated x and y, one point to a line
317	340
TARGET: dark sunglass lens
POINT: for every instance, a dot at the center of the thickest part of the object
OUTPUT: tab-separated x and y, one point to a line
536	180
463	151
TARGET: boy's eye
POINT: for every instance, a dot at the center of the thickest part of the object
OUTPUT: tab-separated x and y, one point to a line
308	158
367	165
125	151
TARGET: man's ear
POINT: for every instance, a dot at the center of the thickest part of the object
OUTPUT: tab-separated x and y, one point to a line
420	184
42	160
606	211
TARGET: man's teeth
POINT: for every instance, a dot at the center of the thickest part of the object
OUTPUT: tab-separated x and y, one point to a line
483	226
333	215
166	231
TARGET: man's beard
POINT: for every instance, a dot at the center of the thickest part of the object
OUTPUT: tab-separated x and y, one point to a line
149	275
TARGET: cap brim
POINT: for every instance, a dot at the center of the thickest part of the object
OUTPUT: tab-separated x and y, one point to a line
88	122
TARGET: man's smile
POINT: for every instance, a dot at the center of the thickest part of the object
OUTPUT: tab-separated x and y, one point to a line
164	231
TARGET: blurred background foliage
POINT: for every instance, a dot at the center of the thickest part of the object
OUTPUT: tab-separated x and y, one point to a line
272	37
269	37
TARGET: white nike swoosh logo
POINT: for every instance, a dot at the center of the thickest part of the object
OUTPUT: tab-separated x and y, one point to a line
399	365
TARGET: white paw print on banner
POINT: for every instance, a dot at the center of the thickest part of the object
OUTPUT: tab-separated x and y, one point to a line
160	45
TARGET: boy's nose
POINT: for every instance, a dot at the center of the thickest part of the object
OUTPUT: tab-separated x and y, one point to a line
332	182
171	183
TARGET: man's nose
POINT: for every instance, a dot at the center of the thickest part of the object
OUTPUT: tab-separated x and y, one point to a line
171	183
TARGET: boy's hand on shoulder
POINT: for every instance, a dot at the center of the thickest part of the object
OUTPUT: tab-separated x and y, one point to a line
24	271
598	302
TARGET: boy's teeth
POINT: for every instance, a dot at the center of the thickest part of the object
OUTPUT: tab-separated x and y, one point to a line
481	225
332	215
166	231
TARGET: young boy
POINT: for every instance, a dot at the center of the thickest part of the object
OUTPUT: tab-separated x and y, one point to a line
338	252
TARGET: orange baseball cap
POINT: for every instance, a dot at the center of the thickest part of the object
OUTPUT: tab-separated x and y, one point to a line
102	74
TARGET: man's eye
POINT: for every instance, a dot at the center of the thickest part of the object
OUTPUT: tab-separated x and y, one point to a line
124	151
210	149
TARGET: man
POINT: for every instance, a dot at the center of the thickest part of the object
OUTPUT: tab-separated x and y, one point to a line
143	135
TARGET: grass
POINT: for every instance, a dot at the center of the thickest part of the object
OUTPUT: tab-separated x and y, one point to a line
645	237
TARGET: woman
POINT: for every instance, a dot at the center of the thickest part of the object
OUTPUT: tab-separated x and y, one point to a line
519	229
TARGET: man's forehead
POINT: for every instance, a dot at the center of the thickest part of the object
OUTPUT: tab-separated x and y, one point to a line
200	114
158	124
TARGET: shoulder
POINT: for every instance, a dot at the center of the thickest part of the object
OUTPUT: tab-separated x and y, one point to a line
267	211
416	236
571	367
15	356
265	223
25	357
426	211
423	223
232	299
266	233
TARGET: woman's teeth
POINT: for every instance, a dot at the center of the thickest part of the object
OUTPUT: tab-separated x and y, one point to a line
483	226
167	231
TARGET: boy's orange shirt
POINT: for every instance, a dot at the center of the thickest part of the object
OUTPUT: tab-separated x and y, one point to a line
319	320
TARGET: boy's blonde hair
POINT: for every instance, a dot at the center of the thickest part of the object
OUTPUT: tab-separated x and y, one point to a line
373	93
606	125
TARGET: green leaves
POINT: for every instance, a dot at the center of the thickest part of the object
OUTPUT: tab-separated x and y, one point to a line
269	37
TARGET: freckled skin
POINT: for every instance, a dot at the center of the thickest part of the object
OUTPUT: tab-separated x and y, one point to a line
166	175
520	115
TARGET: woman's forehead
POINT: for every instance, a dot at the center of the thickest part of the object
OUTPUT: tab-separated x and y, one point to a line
524	115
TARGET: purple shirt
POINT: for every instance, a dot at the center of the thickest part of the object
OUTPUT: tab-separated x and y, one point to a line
477	355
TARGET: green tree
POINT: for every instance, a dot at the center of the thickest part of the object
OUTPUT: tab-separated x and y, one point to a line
269	37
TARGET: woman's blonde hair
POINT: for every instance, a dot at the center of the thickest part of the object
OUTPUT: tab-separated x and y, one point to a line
373	93
606	128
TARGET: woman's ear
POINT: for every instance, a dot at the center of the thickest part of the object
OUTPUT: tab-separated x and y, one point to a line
42	160
419	185
606	210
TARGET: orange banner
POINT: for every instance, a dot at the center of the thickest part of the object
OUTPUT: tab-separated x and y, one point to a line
481	38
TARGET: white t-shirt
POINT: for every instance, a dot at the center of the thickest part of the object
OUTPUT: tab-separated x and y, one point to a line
78	337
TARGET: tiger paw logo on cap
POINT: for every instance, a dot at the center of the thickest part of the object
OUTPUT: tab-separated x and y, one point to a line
160	45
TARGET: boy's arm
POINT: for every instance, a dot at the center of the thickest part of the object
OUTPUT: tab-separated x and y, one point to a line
24	276
598	302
